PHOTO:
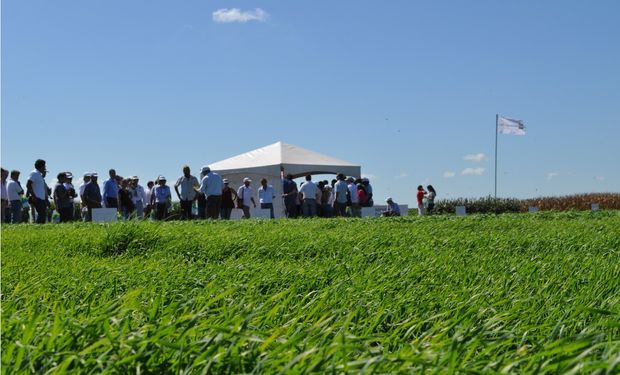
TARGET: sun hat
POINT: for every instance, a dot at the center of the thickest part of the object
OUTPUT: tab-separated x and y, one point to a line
68	174
161	178
365	179
94	174
225	180
247	179
350	179
205	169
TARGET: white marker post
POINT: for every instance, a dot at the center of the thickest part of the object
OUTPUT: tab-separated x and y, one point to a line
461	211
594	207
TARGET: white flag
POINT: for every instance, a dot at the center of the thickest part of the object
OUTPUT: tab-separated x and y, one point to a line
510	126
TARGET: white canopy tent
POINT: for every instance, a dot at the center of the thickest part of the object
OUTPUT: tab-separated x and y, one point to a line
271	161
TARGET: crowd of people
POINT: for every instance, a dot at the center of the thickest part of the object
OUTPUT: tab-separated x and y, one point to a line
210	194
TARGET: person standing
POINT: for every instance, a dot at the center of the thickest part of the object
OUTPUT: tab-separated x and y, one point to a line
62	199
308	193
91	197
138	196
266	194
5	214
353	200
161	197
85	181
125	200
327	201
228	200
420	198
368	189
430	199
246	194
14	194
148	199
340	196
188	184
36	190
72	194
289	193
211	186
110	191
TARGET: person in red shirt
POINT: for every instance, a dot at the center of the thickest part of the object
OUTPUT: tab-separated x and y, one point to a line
420	196
362	196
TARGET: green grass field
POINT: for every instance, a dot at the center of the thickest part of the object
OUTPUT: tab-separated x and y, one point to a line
482	294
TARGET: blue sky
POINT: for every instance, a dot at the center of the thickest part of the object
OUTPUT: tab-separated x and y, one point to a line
407	89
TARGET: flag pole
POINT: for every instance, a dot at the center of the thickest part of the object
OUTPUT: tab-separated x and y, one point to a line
496	119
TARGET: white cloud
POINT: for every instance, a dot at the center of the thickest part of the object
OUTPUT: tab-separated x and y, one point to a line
472	171
226	15
551	175
599	178
475	157
403	175
448	174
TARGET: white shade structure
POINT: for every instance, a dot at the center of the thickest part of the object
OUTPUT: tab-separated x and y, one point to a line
272	160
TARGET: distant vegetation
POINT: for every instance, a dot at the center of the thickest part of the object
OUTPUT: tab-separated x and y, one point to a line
581	202
508	294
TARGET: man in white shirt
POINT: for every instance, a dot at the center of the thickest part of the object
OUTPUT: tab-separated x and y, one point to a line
266	194
246	195
356	210
15	193
308	192
36	190
188	185
138	195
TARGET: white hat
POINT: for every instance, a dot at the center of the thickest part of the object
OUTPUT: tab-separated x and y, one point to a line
205	169
87	174
69	174
247	179
134	178
225	180
162	178
94	174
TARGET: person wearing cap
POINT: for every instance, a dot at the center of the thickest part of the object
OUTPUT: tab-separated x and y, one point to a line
340	196
211	186
161	197
110	190
15	193
392	208
290	193
308	192
187	184
228	200
245	194
354	207
62	199
327	199
91	197
72	194
266	194
37	190
138	196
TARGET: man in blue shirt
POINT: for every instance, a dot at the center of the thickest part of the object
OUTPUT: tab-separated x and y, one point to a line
289	189
110	191
211	186
340	192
